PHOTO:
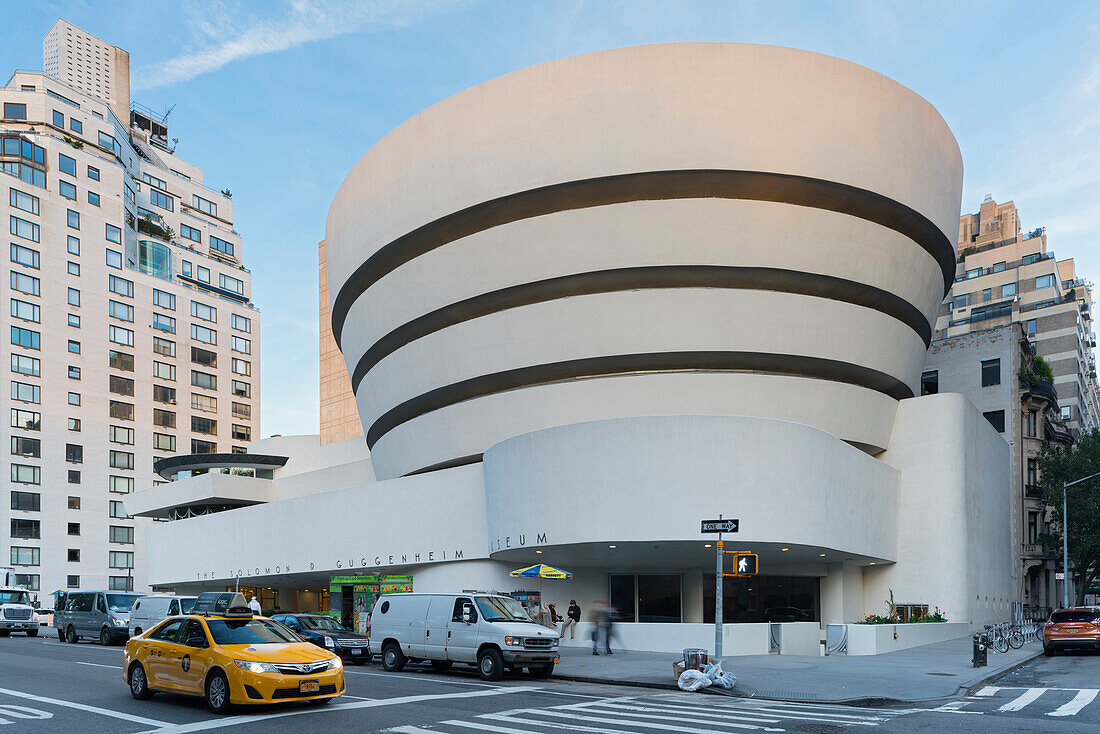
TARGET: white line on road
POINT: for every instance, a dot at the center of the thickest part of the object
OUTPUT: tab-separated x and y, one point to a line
85	707
99	665
618	721
426	679
1083	698
1023	700
987	691
411	730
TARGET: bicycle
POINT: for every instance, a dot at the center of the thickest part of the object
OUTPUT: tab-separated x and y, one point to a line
997	640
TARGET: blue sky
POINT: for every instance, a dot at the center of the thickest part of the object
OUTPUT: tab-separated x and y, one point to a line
278	99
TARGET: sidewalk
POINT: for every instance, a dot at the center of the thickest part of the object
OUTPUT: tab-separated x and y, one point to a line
922	673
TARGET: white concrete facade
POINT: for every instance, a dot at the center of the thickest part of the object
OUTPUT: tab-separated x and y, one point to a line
586	305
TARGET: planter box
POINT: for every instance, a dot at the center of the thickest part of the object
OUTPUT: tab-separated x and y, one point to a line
875	639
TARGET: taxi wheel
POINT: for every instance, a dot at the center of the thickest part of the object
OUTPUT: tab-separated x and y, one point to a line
490	664
393	659
105	637
70	635
217	693
139	684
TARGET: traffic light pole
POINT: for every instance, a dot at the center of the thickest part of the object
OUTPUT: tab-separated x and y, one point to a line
718	603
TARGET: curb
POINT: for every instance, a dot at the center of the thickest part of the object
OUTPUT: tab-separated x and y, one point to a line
995	675
616	682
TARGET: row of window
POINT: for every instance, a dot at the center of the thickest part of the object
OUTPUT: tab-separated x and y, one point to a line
28	230
26	529
22	556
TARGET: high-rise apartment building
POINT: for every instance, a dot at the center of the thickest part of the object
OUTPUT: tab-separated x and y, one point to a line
132	332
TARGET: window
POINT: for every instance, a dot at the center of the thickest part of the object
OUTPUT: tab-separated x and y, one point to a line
24	283
221	245
26	202
120	534
243	411
204	357
121	411
73	219
74	320
26	474
164	371
76	126
25	311
164	418
113	234
996	419
121	385
58	119
203	274
28	420
25	365
991	372
240	323
120	485
162	394
122	435
164	300
74	476
15	111
204	312
1044	281
119	335
204	380
242	433
1030	423
130	195
74	555
74	268
74	424
117	509
164	323
1066	412
121	459
158	198
26	529
25	338
1029	327
1008	289
93	198
120	361
185	269
241	367
190	233
203	447
74	297
204	425
29	447
203	334
164	347
232	284
204	206
241	389
164	442
962	301
204	402
23	228
24	256
114	259
74	454
72	582
24	556
120	583
26	501
74	503
987	295
121	559
108	142
67	190
973	273
244	346
121	286
26	392
93	173
121	311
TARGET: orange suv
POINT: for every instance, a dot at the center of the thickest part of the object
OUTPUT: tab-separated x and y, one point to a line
1076	628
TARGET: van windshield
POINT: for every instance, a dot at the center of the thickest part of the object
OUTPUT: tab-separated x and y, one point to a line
501	609
186	605
121	602
15	597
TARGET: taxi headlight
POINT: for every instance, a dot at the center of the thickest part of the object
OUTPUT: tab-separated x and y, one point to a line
513	641
329	642
335	664
253	667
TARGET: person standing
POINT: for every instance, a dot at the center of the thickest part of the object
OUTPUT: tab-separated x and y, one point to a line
255	606
572	617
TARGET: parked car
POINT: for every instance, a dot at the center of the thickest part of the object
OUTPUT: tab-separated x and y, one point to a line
44	617
326	632
102	615
148	610
16	612
489	631
1072	629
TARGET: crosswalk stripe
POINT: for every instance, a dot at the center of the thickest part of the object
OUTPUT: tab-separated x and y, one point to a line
600	720
680	712
1023	700
800	705
411	730
703	719
482	726
1083	698
838	718
987	691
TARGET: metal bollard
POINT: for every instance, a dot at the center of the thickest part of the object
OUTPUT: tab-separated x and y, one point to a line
981	651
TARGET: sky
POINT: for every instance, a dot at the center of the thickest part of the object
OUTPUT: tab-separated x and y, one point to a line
277	100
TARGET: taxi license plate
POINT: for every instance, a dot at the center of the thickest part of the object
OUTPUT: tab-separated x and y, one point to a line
309	686
356	651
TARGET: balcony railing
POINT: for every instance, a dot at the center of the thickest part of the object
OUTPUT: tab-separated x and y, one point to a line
1040	388
1033	491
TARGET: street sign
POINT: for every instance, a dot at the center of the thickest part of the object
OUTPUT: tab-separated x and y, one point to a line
744	564
719	526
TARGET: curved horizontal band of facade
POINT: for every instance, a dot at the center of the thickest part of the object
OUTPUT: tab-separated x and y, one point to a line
595	367
642	278
170	466
685	184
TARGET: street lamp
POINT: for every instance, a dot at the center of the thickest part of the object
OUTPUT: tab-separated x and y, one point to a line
1065	537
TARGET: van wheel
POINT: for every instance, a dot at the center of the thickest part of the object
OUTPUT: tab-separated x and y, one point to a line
541	671
61	635
139	683
442	664
105	636
490	664
393	659
33	632
217	693
70	635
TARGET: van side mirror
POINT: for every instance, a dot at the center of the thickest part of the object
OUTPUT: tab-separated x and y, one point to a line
467	613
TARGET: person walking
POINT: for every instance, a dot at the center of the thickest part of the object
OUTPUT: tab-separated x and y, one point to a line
602	630
255	606
572	616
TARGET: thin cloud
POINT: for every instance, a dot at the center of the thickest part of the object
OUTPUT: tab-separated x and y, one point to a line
304	21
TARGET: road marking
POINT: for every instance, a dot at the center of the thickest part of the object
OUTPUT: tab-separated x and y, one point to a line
1083	698
430	678
411	730
99	665
955	707
987	691
241	720
600	720
85	707
1023	700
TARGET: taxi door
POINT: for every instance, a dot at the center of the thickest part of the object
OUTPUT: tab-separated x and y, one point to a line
162	661
194	657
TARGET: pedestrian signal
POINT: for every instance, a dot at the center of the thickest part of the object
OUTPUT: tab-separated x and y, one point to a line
745	564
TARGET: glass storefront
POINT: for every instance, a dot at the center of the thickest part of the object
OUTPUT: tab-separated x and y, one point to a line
764	599
646	597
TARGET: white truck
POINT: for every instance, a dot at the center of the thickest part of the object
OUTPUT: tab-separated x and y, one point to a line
16	612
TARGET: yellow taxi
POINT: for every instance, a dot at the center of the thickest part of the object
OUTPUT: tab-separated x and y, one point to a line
222	652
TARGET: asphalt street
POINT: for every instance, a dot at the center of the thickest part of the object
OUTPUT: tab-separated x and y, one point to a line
50	686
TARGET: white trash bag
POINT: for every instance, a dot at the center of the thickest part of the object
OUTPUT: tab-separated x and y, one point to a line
693	680
717	677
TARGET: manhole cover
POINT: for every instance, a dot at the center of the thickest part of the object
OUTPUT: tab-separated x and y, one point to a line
949	675
821	728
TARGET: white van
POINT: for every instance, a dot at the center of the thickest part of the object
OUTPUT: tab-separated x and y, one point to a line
148	610
490	631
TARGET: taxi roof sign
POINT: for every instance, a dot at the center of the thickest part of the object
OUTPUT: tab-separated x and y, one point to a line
224	604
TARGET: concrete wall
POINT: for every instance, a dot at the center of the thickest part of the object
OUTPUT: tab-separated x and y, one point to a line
875	639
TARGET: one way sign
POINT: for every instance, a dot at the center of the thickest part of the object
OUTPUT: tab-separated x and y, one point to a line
719	526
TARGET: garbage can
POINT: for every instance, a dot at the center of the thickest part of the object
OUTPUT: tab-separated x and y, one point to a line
981	651
695	658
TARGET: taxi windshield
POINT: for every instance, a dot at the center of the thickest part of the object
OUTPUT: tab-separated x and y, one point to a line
120	602
15	597
248	632
186	605
501	609
321	623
